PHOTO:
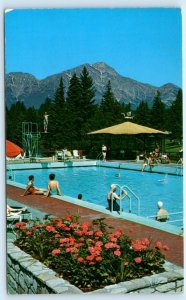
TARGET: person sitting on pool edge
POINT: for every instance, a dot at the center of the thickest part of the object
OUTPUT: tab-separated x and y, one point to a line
31	189
112	196
162	214
53	186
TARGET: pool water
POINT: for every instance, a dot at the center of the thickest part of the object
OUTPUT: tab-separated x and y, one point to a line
94	183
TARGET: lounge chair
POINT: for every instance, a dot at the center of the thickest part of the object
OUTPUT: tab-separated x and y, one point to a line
11	220
60	155
75	154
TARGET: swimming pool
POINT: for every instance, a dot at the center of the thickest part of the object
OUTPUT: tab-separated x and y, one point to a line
94	184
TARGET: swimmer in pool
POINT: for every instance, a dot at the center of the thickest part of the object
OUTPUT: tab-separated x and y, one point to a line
162	214
31	189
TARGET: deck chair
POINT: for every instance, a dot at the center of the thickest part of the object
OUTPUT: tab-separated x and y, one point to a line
11	220
59	155
75	154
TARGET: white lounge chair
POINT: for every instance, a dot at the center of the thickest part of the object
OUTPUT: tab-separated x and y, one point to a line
75	154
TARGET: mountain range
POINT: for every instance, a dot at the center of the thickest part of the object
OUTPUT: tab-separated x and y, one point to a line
33	92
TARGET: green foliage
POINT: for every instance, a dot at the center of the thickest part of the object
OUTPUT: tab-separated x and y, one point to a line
158	113
87	254
176	117
142	114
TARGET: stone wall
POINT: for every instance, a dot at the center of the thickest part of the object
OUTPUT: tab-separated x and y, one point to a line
26	275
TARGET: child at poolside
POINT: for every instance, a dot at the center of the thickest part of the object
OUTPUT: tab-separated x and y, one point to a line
31	189
53	186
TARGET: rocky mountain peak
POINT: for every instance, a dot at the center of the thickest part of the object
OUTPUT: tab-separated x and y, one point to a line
25	87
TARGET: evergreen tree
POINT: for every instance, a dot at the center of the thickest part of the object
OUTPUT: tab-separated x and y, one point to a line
158	113
57	117
74	119
110	109
142	114
15	117
87	95
176	117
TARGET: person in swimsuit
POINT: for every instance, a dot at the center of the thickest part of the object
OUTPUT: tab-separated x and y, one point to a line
31	189
104	152
112	196
53	186
45	122
162	214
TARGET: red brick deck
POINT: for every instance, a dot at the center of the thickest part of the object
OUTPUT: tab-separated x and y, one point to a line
134	230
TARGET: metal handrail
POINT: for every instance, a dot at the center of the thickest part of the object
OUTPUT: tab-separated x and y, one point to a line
122	189
99	155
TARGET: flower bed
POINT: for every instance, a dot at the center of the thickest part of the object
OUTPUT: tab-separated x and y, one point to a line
89	255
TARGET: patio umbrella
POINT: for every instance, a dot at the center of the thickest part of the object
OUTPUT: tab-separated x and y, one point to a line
13	150
128	128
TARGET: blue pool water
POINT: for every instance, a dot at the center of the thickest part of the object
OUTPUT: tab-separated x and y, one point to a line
94	184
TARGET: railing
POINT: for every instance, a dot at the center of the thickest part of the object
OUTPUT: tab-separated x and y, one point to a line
123	195
170	214
99	158
179	169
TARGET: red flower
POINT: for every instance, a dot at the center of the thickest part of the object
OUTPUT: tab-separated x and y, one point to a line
55	252
120	229
90	257
99	244
57	235
28	233
19	224
117	234
126	263
68	218
165	247
158	245
99	233
138	260
50	228
81	239
80	259
99	258
117	253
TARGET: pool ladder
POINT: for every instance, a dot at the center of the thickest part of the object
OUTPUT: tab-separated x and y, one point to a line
99	159
129	191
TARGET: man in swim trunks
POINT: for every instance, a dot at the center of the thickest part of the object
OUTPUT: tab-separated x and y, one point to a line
32	190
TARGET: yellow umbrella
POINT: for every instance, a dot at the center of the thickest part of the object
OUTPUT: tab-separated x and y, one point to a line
128	128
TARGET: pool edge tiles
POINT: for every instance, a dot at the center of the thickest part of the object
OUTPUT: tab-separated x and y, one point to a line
132	165
124	215
173	169
47	165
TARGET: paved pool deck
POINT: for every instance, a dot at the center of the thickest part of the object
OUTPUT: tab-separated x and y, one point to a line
60	207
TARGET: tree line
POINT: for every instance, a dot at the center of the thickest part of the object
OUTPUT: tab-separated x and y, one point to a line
73	115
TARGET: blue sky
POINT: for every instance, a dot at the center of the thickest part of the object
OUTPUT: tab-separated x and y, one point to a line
143	44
